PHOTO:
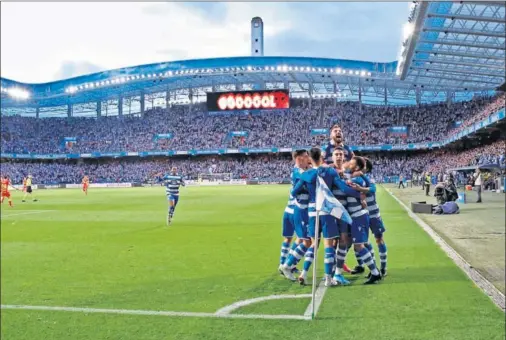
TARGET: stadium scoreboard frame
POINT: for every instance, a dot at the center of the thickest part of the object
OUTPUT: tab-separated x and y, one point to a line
248	100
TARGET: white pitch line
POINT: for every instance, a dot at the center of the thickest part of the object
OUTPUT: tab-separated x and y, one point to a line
230	308
156	313
320	293
495	295
25	213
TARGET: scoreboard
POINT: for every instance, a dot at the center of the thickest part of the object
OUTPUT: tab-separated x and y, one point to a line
248	100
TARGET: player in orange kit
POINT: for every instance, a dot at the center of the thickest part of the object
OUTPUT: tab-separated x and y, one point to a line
6	183
86	183
24	184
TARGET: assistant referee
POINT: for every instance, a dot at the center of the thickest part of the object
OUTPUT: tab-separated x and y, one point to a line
29	190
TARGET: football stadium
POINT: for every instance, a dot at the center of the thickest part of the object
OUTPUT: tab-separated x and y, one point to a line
263	197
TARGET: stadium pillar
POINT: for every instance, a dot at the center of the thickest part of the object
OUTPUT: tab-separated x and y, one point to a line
418	94
142	102
37	112
449	98
120	106
386	94
69	110
310	99
167	100
99	108
360	94
336	89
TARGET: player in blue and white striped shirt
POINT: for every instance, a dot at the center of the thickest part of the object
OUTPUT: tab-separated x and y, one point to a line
172	182
360	225
336	141
293	216
375	222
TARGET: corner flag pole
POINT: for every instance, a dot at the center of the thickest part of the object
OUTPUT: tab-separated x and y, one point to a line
317	233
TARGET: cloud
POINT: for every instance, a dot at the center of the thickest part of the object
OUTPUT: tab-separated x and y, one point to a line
69	69
129	34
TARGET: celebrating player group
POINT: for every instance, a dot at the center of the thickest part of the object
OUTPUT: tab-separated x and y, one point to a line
335	168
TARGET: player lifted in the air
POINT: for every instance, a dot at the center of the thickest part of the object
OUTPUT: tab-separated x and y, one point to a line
172	183
336	141
86	184
6	183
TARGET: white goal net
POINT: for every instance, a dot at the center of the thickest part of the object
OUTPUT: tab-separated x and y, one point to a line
215	178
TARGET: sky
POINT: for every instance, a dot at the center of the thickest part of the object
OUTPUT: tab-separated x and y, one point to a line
42	42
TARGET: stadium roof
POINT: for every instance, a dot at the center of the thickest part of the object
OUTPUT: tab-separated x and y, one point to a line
451	49
455	44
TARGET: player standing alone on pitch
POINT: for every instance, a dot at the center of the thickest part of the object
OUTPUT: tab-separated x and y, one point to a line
172	183
6	183
86	184
29	189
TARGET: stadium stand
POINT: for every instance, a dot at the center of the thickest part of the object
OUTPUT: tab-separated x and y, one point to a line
197	129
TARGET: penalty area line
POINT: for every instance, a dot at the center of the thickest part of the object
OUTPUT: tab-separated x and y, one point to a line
155	313
488	288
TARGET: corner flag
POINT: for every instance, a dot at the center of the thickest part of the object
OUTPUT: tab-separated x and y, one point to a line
326	202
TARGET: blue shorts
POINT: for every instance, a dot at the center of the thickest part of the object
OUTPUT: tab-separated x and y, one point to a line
344	228
377	227
301	223
328	226
288	226
174	198
360	229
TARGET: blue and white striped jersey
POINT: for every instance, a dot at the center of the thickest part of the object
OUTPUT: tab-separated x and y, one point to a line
372	205
330	177
172	184
329	149
301	200
340	195
354	205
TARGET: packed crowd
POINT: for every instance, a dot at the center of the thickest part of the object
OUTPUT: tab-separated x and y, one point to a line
266	167
194	128
439	161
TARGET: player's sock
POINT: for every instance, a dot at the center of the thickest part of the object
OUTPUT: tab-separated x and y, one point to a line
371	250
284	252
367	259
10	203
360	263
308	259
329	260
382	248
171	211
340	255
296	255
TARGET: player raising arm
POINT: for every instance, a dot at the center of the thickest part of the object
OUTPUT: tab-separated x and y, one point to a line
172	182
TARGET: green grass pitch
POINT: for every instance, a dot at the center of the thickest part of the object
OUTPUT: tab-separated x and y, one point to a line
112	250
